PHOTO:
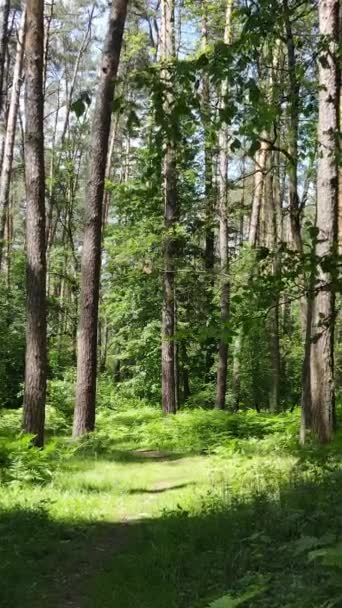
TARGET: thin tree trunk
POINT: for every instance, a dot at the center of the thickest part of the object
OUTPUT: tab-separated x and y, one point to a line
295	209
107	194
221	382
84	416
292	170
237	369
321	399
339	208
35	369
9	241
272	204
185	372
258	195
7	161
209	252
169	402
47	43
4	14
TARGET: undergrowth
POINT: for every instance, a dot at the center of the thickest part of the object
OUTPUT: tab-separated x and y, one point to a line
232	512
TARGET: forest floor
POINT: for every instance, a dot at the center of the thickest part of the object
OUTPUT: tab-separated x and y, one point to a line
157	513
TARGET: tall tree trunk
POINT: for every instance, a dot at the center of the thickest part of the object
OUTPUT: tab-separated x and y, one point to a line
295	208
292	169
35	369
339	208
272	198
221	382
169	400
4	14
84	416
209	252
321	398
6	167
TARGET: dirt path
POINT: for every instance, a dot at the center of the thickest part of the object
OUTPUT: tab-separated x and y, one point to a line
153	482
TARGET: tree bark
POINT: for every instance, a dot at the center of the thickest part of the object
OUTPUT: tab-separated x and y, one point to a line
272	198
4	14
209	251
221	382
321	398
339	208
84	416
35	369
47	43
169	400
7	161
258	195
292	170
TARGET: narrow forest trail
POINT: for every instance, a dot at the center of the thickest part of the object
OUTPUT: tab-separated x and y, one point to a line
71	532
140	488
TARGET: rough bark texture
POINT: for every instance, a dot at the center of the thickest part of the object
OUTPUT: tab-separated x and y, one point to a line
35	369
221	382
321	383
84	417
169	401
6	167
4	14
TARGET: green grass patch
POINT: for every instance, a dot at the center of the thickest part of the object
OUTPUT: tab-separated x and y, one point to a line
204	509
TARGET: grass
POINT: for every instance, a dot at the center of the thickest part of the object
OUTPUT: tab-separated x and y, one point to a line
154	512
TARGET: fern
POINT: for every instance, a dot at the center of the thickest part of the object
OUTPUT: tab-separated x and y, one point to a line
22	463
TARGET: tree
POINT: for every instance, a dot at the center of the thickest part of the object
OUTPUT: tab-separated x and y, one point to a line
84	416
7	161
209	251
223	232
35	366
169	401
4	14
320	396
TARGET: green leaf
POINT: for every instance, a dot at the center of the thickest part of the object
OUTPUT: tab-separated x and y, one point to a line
117	103
324	62
313	232
80	104
78	107
254	147
235	145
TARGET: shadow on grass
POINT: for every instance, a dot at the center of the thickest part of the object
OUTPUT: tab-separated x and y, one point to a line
128	456
160	490
181	560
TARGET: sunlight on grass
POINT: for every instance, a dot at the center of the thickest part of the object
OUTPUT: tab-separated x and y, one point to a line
216	519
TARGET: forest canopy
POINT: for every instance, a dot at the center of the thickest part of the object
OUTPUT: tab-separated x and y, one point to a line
180	212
